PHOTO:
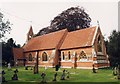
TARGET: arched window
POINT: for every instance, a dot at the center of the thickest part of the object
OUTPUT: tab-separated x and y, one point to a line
30	57
82	55
63	56
44	56
69	56
99	44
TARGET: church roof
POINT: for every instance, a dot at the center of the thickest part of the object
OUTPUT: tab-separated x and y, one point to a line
79	38
47	41
62	40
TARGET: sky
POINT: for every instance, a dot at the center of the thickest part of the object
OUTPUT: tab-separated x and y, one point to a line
40	13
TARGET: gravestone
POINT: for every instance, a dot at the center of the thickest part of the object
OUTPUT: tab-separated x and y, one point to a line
3	78
16	63
16	70
43	77
118	74
64	71
9	66
68	74
31	68
63	75
26	67
94	70
3	72
115	71
57	67
15	77
45	67
55	75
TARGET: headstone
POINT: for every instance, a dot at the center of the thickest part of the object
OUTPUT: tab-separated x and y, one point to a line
94	70
64	71
57	67
63	75
31	68
26	67
15	77
118	74
115	71
3	72
9	66
68	74
3	78
16	71
45	67
43	77
16	63
55	75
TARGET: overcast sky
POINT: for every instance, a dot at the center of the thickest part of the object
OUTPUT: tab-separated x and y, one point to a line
40	14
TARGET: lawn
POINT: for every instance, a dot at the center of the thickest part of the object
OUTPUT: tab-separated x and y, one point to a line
103	76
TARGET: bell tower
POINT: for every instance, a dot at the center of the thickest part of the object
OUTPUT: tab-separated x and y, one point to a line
30	34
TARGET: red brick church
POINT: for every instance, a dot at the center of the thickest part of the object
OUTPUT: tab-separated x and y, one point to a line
76	49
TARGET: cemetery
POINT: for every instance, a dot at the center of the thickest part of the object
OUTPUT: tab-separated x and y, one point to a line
62	76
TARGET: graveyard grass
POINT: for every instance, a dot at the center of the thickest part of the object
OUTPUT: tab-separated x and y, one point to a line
103	76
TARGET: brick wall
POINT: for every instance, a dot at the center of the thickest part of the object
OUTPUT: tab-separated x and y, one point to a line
50	58
74	62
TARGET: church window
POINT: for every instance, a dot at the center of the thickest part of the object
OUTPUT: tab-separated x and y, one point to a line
82	55
63	56
44	56
30	57
69	57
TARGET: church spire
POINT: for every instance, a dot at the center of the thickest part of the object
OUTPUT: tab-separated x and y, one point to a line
98	23
30	33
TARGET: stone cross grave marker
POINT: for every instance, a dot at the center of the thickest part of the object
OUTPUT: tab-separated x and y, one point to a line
55	75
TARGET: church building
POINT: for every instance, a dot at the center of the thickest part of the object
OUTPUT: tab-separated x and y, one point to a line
76	49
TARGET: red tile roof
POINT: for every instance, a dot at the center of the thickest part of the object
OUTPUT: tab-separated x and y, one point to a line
18	53
47	41
79	38
75	39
